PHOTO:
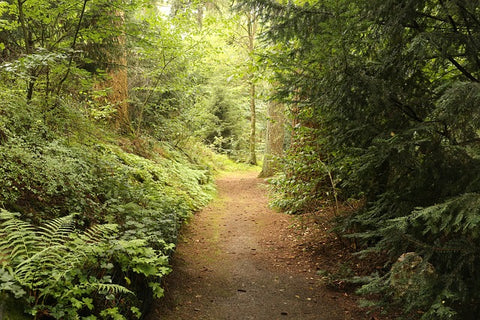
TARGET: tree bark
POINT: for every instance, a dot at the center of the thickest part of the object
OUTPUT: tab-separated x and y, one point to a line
74	42
117	81
118	74
23	24
275	137
252	30
200	15
253	125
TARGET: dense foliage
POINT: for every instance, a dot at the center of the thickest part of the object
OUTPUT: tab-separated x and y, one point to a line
139	202
384	97
198	89
104	106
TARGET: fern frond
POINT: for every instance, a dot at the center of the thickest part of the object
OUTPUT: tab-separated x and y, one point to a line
42	262
111	288
18	238
98	233
17	248
38	258
57	231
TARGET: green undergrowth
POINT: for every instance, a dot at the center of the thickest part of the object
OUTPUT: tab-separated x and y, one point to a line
223	166
89	219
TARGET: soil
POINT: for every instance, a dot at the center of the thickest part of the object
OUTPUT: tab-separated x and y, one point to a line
239	259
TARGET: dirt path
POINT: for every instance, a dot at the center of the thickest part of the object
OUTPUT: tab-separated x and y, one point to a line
235	261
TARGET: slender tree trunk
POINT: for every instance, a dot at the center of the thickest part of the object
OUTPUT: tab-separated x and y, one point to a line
74	43
252	30
253	125
27	38
200	15
30	86
25	31
119	77
274	139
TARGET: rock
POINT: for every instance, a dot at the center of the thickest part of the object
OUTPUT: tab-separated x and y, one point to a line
410	275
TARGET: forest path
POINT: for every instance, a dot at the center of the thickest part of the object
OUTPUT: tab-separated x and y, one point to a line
234	261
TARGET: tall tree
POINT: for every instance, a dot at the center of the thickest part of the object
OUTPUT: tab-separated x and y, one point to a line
251	34
275	138
117	80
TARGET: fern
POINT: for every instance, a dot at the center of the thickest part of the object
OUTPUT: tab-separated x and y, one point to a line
445	238
98	233
47	261
17	237
111	288
57	230
31	252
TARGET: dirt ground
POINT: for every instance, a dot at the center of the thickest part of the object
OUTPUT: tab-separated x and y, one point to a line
238	259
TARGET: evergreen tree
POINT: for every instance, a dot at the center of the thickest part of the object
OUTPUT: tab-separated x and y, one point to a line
390	89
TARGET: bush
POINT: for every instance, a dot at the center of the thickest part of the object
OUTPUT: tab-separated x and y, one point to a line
306	181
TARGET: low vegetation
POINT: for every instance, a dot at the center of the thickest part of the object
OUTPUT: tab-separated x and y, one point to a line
88	224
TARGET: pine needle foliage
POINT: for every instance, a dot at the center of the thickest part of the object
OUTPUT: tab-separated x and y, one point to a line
392	88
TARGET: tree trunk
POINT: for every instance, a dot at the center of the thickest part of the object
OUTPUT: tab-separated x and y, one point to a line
252	30
253	124
200	15
27	38
119	94
117	81
274	140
